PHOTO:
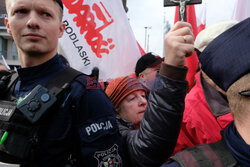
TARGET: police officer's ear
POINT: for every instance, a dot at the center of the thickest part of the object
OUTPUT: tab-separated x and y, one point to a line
61	29
6	22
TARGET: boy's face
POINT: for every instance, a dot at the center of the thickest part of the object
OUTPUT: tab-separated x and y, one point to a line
34	25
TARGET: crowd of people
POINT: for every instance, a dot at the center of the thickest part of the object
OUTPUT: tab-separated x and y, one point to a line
50	117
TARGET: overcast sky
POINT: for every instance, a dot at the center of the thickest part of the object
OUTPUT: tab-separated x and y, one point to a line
150	13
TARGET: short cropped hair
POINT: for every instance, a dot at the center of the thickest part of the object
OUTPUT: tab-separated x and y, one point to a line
60	10
239	105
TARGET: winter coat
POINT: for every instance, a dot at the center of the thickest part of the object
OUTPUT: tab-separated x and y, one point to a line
80	128
206	114
154	141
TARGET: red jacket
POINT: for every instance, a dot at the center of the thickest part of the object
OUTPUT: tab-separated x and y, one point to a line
206	113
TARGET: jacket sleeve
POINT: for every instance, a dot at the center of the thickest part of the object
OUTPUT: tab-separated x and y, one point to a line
100	142
154	142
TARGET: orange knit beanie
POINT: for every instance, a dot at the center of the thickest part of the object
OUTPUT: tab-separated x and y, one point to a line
121	87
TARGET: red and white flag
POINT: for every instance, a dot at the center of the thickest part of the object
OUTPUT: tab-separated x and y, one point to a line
241	10
201	18
141	50
98	34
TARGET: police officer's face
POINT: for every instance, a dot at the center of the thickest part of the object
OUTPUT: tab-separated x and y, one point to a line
35	25
133	106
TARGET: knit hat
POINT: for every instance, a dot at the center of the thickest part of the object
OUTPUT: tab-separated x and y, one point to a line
210	33
227	57
60	3
121	87
148	60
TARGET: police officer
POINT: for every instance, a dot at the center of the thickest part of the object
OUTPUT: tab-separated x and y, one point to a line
80	127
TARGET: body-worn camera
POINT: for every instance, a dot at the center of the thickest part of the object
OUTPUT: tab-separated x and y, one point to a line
36	103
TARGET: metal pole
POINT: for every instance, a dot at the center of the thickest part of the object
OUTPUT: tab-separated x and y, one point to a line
145	42
148	44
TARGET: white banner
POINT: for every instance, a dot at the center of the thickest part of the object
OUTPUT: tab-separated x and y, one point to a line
98	34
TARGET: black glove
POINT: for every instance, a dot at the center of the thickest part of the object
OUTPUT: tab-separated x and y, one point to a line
4	81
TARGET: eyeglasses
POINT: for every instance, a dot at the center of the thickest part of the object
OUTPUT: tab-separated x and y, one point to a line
245	93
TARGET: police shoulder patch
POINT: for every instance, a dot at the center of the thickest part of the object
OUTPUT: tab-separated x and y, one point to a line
109	158
96	128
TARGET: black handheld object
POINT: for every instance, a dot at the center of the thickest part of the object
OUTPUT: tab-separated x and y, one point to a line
4	79
95	73
36	103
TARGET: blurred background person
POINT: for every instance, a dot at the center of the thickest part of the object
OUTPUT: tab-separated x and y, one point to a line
146	69
3	67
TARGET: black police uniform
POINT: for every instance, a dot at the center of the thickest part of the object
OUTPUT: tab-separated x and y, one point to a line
80	127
